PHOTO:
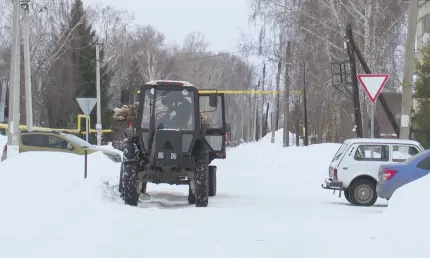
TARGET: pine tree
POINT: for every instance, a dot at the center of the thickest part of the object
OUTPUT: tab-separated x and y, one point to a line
84	60
421	117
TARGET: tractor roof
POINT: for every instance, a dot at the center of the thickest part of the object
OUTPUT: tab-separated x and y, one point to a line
169	82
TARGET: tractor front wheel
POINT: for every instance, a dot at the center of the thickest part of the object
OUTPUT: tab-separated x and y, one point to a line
129	183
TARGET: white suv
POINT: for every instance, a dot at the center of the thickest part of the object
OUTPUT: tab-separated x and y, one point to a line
354	168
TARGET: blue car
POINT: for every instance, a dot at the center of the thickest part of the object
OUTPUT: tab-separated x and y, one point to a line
394	176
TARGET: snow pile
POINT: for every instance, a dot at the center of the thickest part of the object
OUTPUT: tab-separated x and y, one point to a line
404	224
265	163
44	195
269	203
263	189
408	200
279	138
108	148
3	141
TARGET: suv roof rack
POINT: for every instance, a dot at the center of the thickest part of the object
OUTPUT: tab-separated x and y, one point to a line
42	131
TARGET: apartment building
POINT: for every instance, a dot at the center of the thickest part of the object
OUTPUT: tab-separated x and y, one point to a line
423	27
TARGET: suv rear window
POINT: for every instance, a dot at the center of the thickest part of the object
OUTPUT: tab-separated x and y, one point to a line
341	150
403	152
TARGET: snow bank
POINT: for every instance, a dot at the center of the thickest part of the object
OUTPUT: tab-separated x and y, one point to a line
404	224
269	203
304	167
279	137
108	148
44	194
3	141
408	200
263	189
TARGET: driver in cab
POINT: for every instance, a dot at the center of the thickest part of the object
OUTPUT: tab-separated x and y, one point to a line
181	109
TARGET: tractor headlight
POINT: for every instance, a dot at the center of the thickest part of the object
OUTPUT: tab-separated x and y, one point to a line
161	155
172	155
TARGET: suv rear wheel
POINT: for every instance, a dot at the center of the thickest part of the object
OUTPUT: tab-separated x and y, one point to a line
346	193
362	192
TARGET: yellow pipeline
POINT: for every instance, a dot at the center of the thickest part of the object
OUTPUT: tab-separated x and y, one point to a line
73	131
246	92
24	127
80	129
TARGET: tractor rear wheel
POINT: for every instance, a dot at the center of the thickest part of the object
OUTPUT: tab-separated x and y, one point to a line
212	181
201	176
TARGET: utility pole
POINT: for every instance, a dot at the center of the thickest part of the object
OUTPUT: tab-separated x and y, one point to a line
14	86
3	100
408	71
297	129
27	68
355	92
286	138
260	133
254	132
278	81
305	108
353	48
99	111
249	119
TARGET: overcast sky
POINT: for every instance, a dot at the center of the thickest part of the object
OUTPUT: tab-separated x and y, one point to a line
221	21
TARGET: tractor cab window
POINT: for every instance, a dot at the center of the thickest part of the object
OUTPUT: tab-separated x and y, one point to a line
174	109
212	116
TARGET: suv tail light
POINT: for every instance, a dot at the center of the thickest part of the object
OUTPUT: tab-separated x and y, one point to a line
335	173
387	174
227	138
5	148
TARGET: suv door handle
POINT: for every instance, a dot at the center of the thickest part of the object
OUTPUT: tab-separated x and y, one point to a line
345	168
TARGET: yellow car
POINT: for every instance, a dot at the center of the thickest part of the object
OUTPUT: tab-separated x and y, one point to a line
58	142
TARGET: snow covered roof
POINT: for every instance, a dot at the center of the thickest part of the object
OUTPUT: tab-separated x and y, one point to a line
381	140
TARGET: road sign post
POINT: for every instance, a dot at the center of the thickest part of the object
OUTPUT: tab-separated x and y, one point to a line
3	100
86	105
373	84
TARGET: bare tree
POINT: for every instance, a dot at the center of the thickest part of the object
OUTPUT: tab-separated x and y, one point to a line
316	29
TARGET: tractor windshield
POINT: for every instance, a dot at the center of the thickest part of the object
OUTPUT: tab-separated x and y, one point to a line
174	109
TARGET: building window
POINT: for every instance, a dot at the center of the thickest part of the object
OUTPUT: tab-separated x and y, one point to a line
425	20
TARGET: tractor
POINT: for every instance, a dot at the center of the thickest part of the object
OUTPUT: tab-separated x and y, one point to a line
173	136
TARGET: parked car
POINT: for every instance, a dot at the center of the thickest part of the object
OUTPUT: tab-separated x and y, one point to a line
355	166
58	142
394	176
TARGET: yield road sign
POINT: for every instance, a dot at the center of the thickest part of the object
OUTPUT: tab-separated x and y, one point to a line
373	84
86	104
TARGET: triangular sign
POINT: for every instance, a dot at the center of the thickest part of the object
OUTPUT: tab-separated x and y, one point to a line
373	84
168	145
86	104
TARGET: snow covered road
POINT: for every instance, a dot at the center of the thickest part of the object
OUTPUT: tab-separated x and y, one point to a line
269	204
